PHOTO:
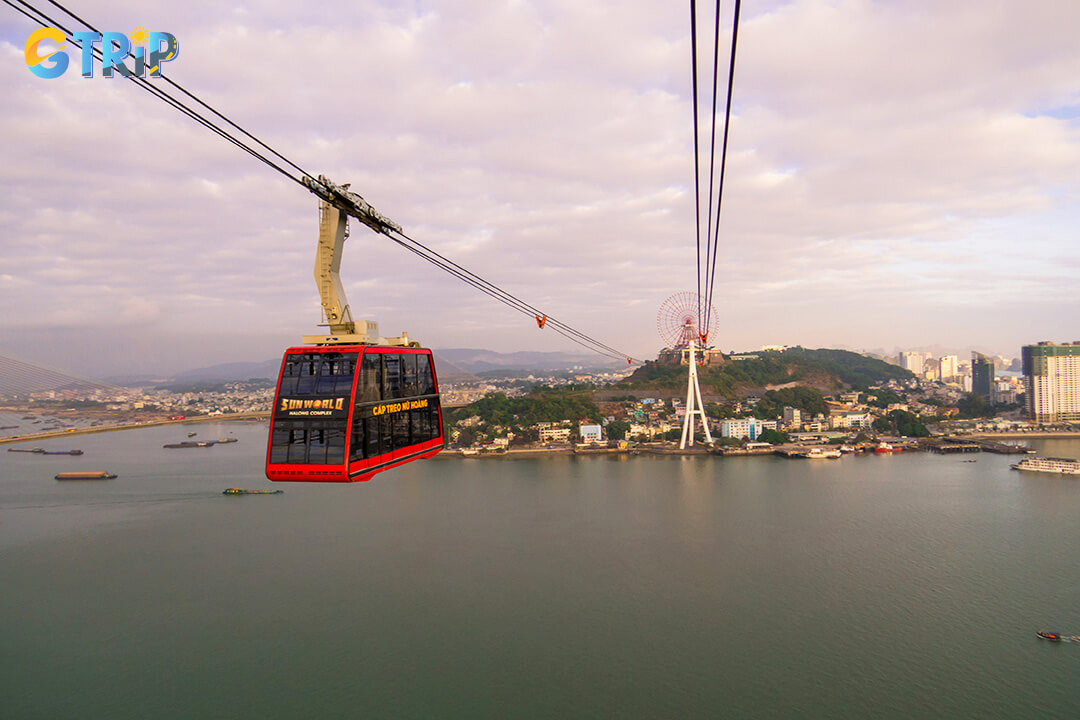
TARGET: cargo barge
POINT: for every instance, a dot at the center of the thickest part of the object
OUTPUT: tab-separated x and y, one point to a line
242	491
43	451
99	475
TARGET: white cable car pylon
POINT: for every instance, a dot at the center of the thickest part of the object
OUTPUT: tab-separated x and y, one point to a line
677	323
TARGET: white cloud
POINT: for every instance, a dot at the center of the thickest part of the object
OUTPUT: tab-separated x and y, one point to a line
903	161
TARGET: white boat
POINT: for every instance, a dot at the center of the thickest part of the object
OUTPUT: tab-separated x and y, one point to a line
818	453
1058	466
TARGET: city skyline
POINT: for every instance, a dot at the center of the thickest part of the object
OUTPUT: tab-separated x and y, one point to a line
901	176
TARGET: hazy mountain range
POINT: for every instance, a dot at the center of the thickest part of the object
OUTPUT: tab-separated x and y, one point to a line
452	365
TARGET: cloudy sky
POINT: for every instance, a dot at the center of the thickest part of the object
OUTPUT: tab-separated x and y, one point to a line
901	174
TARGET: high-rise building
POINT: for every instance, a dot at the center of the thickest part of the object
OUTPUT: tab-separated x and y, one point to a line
913	361
1052	381
948	367
982	376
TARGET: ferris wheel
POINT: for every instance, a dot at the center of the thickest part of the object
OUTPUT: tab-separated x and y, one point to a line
677	320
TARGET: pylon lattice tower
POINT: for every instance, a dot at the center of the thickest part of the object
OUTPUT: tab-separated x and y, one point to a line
677	323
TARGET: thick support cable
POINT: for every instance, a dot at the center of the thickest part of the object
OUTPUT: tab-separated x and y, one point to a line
723	158
697	170
712	174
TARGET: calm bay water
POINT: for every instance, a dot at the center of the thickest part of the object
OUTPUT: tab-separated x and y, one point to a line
886	587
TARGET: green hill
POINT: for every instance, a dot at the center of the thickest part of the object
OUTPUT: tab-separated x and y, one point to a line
826	369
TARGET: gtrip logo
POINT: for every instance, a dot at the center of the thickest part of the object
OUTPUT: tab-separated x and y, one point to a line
148	50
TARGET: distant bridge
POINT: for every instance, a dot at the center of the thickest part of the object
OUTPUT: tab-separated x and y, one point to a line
19	378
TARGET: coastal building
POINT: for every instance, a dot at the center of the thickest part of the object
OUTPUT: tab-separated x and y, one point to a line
1052	381
590	433
982	377
741	428
554	434
851	421
792	417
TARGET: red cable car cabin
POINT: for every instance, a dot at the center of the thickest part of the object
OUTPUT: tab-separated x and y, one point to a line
344	413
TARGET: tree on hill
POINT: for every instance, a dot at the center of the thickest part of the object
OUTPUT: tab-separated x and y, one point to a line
901	422
543	404
616	430
774	437
974	406
851	368
807	399
883	398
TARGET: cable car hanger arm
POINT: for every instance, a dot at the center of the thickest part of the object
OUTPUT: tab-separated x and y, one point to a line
336	206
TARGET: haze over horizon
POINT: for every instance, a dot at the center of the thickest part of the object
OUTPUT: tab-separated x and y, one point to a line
900	175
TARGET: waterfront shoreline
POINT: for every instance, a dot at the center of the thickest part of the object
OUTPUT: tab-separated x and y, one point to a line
72	432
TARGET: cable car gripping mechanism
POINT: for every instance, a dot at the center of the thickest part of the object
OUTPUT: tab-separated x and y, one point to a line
351	204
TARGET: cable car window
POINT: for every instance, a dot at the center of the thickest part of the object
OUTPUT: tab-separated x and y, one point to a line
370	389
279	442
346	371
297	445
386	434
317	445
289	373
392	380
425	378
409	363
356	442
327	383
421	427
371	437
401	430
305	384
335	445
433	418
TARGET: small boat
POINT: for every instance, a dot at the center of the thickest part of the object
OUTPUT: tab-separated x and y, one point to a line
101	475
885	447
817	453
36	451
226	440
61	452
191	434
243	491
1051	636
